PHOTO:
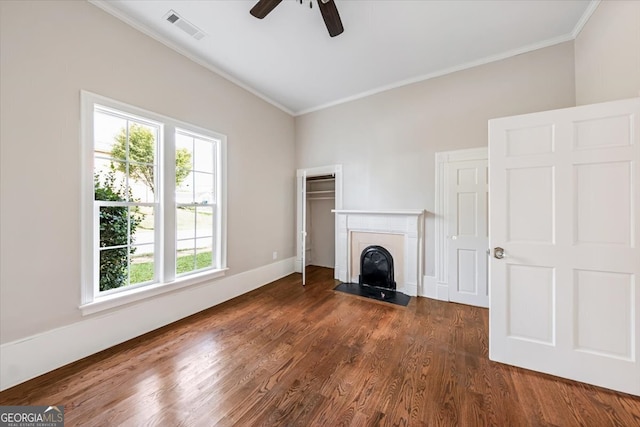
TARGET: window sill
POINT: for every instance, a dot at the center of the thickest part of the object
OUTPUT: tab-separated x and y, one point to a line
138	294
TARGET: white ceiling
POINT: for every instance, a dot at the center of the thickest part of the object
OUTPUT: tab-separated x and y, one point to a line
289	59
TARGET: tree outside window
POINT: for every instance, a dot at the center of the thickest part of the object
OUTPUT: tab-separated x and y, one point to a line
138	234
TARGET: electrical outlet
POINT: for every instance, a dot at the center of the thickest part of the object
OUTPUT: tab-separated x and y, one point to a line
275	255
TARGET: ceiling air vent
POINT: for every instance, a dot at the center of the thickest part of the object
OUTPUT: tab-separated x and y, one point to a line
173	18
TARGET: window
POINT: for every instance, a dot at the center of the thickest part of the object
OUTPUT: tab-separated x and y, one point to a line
153	203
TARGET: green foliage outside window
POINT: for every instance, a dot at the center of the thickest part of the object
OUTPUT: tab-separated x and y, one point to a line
142	155
116	225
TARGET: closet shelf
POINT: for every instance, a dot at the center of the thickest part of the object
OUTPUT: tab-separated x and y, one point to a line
320	192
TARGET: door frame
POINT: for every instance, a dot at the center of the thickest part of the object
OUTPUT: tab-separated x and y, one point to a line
302	174
441	289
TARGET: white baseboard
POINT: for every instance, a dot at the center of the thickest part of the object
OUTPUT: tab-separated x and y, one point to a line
434	289
30	357
410	289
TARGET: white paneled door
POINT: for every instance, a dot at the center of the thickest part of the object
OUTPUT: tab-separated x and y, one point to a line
467	228
565	229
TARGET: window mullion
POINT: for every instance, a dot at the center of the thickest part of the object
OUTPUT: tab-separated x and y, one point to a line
95	282
168	227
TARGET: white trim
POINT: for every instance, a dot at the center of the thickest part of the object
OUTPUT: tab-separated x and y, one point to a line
440	288
319	171
149	115
87	189
29	357
104	5
122	298
585	18
415	212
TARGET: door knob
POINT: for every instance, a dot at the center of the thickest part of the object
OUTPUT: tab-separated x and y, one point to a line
498	252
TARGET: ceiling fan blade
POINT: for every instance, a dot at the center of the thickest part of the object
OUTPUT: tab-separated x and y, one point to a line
263	7
331	17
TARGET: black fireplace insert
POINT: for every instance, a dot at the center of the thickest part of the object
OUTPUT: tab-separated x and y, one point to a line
376	271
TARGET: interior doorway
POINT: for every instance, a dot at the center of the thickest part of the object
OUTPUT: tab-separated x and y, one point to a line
461	226
319	191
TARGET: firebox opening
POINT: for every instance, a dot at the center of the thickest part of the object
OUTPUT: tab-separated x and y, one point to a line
376	271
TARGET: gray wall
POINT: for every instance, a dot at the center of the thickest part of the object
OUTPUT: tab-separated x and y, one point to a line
50	51
387	142
607	53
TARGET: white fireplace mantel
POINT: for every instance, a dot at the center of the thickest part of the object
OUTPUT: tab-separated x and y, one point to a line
406	223
407	212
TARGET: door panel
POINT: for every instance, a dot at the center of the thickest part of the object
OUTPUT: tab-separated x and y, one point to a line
467	271
612	335
603	216
604	132
530	208
527	284
564	206
528	141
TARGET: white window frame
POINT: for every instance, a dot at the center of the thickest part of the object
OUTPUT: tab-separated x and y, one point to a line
92	300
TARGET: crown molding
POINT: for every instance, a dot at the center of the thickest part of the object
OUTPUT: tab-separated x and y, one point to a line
585	17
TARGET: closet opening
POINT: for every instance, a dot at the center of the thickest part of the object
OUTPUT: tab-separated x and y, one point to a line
320	245
319	192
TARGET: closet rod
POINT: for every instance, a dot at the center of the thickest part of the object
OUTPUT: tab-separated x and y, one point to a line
321	178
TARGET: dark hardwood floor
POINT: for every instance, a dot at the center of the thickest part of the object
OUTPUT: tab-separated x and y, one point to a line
293	356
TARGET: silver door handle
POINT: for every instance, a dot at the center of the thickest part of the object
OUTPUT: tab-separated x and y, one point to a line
498	252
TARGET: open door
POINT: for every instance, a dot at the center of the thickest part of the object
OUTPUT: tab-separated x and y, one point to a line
303	232
565	231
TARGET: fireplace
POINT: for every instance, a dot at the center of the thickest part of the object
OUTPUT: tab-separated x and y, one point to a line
399	231
376	271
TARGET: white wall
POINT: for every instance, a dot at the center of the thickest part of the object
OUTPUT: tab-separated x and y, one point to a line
387	142
607	53
50	51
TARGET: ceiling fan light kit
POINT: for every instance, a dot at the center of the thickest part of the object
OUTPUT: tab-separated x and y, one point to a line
327	8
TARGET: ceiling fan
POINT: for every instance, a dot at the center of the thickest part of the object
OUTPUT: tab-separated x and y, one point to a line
327	8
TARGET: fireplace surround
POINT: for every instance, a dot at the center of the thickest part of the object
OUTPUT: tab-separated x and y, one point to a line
399	231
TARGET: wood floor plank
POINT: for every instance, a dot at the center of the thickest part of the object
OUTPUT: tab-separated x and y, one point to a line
290	355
